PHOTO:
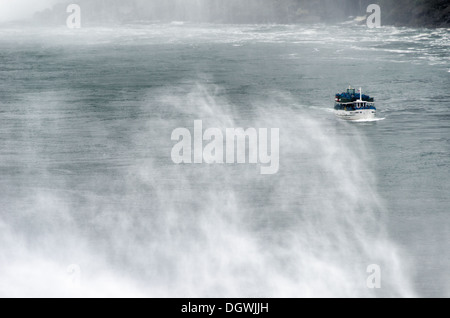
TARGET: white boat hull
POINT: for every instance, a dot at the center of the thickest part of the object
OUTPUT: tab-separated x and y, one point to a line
359	114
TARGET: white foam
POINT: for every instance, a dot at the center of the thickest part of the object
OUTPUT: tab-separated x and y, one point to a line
368	120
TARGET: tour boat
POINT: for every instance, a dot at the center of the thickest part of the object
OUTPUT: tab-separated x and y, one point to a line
352	105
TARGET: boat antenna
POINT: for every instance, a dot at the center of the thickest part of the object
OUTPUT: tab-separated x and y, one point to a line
360	94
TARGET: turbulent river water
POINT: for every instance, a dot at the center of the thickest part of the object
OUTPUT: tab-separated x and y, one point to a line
92	204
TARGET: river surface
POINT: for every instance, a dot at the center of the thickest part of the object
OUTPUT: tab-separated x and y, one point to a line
92	204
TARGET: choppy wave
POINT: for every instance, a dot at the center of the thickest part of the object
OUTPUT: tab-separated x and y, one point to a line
431	45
